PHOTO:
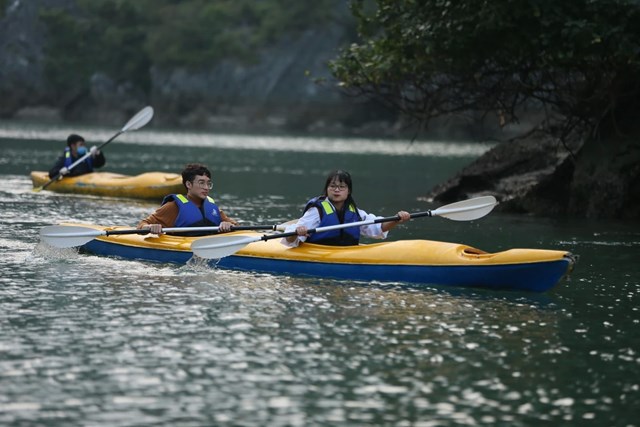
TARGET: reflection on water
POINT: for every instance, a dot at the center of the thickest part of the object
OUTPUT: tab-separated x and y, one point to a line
162	343
88	340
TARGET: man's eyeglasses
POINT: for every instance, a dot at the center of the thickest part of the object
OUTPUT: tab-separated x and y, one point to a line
338	187
204	184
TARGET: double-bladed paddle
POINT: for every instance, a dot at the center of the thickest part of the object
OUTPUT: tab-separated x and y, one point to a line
139	120
67	236
222	246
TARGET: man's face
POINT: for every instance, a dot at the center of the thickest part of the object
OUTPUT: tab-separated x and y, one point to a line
199	187
75	148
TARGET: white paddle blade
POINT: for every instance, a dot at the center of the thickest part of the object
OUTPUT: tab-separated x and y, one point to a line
467	210
68	236
143	117
220	246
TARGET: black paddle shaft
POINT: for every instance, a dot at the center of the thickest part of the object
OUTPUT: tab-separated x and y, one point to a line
135	231
377	221
397	218
186	230
262	227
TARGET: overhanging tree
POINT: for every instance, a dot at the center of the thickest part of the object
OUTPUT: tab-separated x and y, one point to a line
577	61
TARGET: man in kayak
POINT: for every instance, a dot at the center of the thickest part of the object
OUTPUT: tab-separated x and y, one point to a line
76	149
336	206
195	209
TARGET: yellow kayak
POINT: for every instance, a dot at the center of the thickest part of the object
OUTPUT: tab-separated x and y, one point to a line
149	185
410	261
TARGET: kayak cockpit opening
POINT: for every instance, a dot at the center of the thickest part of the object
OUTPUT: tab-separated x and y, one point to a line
474	253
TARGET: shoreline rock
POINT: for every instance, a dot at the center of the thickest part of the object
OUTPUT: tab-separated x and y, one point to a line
522	174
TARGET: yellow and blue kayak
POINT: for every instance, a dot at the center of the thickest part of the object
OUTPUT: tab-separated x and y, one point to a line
150	185
406	261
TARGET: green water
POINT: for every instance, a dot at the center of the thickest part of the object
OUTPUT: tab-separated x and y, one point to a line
86	340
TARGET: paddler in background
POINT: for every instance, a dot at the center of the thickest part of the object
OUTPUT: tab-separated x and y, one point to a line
76	148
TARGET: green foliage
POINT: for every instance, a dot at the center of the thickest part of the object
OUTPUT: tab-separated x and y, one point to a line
436	57
198	33
63	69
3	8
110	39
124	38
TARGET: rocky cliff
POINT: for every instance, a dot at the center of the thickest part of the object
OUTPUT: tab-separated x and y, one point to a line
275	93
22	36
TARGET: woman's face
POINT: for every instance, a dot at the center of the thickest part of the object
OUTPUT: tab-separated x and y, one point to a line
337	191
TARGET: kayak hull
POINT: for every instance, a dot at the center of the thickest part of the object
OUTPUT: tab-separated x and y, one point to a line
149	185
408	261
538	277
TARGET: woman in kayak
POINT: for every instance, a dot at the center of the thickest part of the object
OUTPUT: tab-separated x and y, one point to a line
336	206
195	209
76	149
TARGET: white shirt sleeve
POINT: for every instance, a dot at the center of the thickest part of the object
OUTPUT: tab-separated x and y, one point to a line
310	219
372	230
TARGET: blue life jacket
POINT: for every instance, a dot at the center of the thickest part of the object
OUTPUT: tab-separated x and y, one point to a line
190	216
328	216
68	160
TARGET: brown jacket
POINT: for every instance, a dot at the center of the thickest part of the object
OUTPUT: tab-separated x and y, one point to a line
166	215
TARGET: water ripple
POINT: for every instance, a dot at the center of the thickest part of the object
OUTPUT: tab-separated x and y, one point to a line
101	341
262	142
